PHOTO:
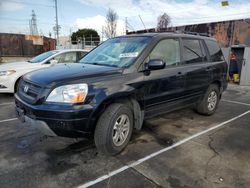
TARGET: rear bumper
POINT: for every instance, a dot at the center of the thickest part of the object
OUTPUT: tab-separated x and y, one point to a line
57	120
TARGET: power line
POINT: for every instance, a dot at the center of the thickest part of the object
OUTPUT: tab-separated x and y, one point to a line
199	20
28	3
142	22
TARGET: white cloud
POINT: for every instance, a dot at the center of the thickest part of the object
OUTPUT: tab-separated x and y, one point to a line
181	13
10	6
97	22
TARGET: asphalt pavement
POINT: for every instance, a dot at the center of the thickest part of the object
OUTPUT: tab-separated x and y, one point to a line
179	149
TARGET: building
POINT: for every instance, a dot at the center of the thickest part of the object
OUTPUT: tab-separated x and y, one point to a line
19	45
227	33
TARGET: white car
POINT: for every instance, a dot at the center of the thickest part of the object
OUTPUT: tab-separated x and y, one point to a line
10	73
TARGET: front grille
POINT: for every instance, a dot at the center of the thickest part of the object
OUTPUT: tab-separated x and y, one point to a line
28	91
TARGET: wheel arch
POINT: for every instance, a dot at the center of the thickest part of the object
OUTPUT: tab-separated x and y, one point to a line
128	100
219	84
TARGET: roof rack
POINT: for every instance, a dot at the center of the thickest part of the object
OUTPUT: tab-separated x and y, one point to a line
195	33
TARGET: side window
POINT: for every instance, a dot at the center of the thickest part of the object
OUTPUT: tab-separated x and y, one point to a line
168	50
80	55
192	51
68	57
214	50
59	58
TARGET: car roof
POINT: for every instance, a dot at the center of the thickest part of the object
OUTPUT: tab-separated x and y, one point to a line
170	34
70	50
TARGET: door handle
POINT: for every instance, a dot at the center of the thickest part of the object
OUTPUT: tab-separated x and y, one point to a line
179	74
209	68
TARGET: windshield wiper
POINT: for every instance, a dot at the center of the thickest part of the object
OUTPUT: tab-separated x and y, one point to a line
101	64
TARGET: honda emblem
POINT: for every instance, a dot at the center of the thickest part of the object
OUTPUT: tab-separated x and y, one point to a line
26	88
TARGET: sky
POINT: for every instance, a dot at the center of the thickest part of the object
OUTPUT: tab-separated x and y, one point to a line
75	14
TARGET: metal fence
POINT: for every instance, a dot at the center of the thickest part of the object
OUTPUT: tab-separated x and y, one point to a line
81	43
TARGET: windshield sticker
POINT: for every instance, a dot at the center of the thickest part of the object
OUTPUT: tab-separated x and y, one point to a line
131	54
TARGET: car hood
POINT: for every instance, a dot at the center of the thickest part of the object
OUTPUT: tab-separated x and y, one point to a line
18	65
69	72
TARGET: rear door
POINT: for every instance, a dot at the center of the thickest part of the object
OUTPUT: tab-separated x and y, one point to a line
162	88
217	63
198	74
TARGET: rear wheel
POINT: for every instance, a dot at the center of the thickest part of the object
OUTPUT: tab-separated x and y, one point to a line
114	129
209	103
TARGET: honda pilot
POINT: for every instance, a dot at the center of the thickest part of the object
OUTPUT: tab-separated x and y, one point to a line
122	82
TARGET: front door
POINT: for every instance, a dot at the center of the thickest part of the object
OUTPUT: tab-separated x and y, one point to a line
162	88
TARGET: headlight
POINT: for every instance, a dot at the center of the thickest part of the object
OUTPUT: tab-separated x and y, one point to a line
7	73
75	93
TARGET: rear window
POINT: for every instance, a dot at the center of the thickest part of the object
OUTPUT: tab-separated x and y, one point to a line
214	50
192	51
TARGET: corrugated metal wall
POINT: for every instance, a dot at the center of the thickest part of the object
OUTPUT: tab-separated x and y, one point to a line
19	45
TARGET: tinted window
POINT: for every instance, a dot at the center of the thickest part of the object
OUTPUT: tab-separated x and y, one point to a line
214	50
192	51
167	50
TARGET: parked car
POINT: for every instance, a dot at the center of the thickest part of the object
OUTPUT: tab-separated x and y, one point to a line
122	82
10	73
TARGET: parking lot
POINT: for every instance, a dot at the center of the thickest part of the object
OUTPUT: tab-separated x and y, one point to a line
180	149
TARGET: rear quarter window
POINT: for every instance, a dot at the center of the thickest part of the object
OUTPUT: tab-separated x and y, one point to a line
214	51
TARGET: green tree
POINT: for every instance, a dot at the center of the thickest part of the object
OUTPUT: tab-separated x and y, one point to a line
87	34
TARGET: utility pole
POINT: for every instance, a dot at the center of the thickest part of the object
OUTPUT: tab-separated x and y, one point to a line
126	25
57	27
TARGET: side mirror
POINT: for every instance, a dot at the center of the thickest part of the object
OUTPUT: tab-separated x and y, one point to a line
53	62
155	64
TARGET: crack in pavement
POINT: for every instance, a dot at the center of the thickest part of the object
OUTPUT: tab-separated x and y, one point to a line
215	153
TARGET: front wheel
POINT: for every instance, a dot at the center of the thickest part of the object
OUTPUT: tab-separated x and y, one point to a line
209	103
114	129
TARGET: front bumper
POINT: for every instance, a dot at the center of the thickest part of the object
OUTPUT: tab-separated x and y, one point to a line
40	125
57	120
7	84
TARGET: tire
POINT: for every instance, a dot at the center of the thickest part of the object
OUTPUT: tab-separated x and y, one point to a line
205	107
109	128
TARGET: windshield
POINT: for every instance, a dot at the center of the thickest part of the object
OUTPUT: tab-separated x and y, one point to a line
117	52
42	57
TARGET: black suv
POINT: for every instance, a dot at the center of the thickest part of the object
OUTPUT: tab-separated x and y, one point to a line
122	82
